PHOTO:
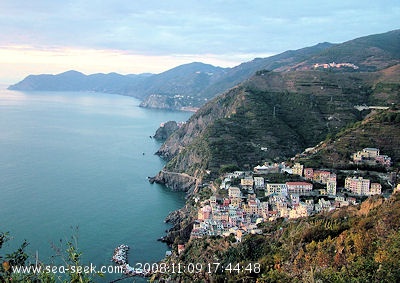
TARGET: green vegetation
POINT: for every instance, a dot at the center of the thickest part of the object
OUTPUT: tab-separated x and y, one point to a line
387	92
228	168
380	129
69	255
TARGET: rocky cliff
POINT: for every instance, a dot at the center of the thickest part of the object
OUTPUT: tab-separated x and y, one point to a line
182	224
176	181
166	130
197	125
186	152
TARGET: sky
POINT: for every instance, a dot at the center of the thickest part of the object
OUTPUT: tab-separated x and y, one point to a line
147	36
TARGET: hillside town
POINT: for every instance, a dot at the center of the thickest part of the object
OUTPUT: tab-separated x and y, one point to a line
251	198
335	65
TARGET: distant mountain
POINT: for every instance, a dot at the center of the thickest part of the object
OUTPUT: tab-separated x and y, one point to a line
245	70
193	84
179	85
76	81
369	53
186	79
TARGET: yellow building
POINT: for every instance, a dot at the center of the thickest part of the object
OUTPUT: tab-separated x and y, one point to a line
247	183
236	202
297	169
299	211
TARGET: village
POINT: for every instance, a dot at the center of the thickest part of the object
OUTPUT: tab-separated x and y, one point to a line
246	199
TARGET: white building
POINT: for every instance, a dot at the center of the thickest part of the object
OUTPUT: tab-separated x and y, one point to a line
299	211
259	183
331	186
299	187
234	192
280	189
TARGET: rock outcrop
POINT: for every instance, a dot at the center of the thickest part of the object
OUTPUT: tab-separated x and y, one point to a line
182	223
176	181
166	130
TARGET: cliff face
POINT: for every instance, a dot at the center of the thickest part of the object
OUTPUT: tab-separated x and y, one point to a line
176	181
182	224
166	130
197	125
188	153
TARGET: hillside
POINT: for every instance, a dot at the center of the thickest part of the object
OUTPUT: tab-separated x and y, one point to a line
354	244
271	117
369	53
380	129
246	70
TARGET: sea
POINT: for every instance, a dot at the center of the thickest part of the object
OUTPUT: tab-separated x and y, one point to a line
74	166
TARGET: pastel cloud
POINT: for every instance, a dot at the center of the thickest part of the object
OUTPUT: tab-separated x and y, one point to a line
217	30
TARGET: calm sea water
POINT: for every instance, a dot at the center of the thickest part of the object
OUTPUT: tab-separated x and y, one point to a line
82	159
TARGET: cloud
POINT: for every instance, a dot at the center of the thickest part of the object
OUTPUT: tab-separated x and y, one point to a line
180	28
19	61
162	27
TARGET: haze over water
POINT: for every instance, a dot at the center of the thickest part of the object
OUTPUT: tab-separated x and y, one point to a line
82	159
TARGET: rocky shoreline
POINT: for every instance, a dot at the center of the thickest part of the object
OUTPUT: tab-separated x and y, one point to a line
175	181
182	219
182	223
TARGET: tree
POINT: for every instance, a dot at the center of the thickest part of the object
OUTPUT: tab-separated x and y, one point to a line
10	269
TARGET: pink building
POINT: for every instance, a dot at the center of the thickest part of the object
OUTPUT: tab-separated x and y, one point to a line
321	176
384	160
308	173
204	213
359	186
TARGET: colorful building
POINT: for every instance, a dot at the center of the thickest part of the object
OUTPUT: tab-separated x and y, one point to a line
299	187
358	185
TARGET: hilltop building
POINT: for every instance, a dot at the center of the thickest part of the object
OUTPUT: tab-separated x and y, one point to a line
371	156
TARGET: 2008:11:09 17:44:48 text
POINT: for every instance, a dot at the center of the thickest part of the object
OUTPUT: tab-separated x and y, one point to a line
214	267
